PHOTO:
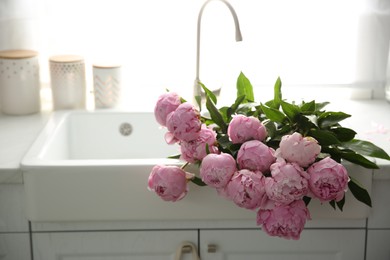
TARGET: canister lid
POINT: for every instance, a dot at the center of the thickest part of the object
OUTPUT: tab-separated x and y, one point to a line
66	58
17	54
106	65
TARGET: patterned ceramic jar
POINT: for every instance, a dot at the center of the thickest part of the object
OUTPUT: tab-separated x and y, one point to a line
19	82
67	73
107	85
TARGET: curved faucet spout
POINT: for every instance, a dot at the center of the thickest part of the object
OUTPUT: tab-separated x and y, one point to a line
197	89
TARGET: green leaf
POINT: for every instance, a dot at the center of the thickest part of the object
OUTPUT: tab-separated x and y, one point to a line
273	114
343	134
176	156
225	113
244	87
340	203
224	141
366	148
320	106
270	103
324	137
306	200
308	107
198	181
290	110
327	119
209	93
271	128
216	116
199	102
207	148
358	159
333	204
359	192
233	108
304	124
277	94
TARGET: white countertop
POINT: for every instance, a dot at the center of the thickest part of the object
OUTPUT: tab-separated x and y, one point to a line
17	133
370	118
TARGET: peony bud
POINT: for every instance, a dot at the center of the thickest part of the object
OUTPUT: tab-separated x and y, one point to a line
255	156
289	182
217	169
328	180
168	182
166	103
285	221
298	149
246	189
243	128
184	123
195	150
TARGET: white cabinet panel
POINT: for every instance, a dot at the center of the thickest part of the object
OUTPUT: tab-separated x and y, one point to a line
255	244
119	245
15	246
380	212
378	245
12	213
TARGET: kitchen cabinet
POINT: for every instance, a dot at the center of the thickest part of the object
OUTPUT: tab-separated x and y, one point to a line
214	245
255	244
113	245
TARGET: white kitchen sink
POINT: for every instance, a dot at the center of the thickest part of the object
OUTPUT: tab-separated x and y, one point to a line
88	166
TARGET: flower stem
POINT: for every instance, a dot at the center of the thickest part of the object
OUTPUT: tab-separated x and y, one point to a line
184	165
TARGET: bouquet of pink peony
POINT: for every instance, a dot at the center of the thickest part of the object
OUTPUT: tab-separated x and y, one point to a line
272	157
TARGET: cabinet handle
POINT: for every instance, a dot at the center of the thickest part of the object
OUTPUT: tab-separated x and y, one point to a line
211	248
186	249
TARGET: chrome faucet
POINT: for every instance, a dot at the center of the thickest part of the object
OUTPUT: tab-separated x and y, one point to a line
197	88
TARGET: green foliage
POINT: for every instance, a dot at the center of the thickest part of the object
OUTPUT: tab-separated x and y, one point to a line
281	117
359	192
198	181
244	88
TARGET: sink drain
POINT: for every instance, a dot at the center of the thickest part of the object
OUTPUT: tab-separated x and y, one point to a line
125	129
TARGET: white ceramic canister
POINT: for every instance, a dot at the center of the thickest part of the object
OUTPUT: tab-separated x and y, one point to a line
19	82
67	74
107	85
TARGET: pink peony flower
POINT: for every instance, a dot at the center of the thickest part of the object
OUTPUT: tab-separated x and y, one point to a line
243	128
169	182
246	189
255	156
289	182
184	123
166	103
298	149
285	221
195	150
328	180
217	169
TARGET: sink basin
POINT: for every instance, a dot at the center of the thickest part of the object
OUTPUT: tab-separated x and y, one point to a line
94	166
74	138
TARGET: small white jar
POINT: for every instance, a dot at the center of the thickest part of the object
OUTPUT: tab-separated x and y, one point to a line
67	74
106	85
19	82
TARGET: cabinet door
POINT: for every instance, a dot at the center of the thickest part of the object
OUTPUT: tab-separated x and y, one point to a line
378	244
115	245
14	246
255	245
